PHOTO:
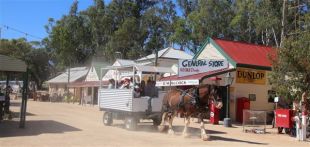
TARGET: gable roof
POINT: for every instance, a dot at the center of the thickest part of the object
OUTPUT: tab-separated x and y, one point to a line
75	74
168	52
246	53
124	62
241	53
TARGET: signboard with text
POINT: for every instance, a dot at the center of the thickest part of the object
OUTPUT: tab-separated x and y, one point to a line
177	83
191	67
251	76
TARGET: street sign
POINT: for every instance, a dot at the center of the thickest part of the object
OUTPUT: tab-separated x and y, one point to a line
196	66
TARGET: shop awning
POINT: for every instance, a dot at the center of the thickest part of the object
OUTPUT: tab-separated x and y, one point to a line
189	80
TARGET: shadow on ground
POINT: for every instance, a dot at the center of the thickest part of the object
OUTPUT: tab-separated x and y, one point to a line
148	127
33	128
236	140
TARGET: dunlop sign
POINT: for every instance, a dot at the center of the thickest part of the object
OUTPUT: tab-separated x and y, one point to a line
191	67
251	76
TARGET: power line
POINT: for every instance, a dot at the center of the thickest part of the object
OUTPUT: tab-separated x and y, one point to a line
22	32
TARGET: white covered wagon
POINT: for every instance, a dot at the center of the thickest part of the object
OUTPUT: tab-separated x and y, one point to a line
123	104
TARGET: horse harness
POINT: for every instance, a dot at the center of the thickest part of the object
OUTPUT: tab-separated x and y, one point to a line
194	97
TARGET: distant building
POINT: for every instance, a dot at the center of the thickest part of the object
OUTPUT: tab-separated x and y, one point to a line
58	85
166	57
86	90
112	74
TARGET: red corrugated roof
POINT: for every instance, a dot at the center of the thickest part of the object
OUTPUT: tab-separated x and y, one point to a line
196	76
246	53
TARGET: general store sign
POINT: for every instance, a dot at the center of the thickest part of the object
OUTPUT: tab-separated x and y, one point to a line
177	83
191	67
251	76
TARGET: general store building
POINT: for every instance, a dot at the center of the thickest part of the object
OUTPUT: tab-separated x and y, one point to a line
250	66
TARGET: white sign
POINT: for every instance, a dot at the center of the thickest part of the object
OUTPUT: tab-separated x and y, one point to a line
276	99
177	83
191	67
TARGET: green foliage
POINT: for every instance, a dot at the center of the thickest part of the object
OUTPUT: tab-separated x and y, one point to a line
17	48
291	71
32	53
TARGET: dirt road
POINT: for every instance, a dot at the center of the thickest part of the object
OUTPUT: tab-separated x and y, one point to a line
61	124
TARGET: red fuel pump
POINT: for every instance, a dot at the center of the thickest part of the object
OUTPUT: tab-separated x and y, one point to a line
214	113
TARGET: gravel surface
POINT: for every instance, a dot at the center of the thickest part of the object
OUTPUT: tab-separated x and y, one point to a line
64	125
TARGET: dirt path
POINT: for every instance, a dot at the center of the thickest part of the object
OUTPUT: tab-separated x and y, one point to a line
60	124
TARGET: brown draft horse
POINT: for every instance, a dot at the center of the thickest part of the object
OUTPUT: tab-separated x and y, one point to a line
187	103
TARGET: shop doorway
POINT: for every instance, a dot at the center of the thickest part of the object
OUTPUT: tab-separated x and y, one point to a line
223	95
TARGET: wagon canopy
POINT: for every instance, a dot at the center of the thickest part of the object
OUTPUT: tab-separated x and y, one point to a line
141	68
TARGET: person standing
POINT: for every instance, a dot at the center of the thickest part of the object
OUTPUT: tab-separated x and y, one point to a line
304	114
8	91
2	99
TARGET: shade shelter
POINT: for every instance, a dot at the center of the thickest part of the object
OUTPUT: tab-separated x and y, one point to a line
10	66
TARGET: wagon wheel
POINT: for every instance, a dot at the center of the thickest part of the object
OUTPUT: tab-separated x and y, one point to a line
131	123
107	118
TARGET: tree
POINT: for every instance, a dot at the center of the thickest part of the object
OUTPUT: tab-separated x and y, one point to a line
33	53
17	48
210	19
38	63
70	39
291	69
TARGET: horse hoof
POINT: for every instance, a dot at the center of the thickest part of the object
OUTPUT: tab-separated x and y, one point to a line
171	132
205	137
162	128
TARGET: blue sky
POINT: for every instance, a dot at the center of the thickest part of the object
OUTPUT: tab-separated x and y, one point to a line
30	16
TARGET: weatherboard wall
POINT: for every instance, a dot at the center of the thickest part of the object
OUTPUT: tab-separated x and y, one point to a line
237	90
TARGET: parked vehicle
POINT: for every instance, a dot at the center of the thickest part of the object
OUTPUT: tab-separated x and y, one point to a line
123	103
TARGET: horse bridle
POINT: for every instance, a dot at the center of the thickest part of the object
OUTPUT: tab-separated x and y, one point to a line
195	96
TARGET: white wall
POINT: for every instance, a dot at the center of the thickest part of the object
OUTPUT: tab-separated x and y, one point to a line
210	52
92	75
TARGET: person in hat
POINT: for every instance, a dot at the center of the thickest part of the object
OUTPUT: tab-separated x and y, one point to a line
125	85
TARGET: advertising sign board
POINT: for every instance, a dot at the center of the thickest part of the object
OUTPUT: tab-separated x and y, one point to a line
196	66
